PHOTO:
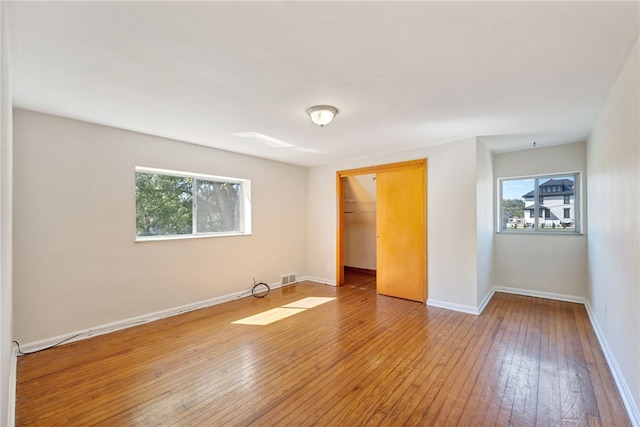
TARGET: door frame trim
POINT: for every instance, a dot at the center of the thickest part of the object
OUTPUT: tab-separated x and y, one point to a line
340	203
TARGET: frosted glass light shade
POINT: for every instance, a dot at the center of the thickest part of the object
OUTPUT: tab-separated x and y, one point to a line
322	114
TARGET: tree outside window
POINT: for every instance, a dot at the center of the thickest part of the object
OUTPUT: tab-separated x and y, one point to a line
170	203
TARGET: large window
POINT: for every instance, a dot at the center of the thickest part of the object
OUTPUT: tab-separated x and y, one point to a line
547	203
172	204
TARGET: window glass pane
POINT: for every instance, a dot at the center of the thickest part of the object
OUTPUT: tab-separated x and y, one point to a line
218	207
182	204
517	204
163	205
555	205
563	206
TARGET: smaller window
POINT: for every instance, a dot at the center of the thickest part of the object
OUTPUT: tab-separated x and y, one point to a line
522	205
173	204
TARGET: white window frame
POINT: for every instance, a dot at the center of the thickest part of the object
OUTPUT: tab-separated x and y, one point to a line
577	204
245	205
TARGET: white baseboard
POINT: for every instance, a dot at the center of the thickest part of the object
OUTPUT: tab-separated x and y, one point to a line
127	323
453	306
540	294
478	310
623	388
486	300
469	309
319	280
13	382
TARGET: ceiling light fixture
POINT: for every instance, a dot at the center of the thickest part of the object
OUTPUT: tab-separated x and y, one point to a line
322	114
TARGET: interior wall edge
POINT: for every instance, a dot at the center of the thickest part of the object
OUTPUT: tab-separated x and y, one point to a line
7	385
485	301
13	381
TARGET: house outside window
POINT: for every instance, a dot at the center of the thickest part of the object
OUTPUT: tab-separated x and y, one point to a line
556	209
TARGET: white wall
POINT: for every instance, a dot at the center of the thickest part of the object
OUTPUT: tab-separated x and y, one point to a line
76	263
613	159
6	286
451	223
360	221
484	213
543	263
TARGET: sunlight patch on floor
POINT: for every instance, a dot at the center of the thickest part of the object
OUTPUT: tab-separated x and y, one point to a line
275	314
309	302
269	316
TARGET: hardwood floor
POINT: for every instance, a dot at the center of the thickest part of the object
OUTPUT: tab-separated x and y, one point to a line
361	359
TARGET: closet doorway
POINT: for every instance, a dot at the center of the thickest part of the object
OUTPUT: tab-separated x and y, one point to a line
359	236
399	208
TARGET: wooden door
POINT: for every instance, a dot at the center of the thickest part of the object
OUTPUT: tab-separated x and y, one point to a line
401	232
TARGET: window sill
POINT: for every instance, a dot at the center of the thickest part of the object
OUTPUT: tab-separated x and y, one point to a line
185	237
545	233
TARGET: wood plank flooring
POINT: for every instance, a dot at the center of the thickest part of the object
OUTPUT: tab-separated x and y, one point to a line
362	359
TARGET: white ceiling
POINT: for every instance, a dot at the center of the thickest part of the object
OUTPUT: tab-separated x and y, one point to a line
240	75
